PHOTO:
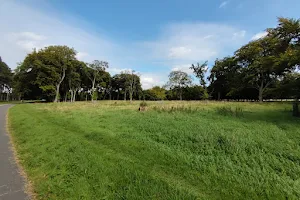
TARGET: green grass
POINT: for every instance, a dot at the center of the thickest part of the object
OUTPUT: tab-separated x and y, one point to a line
174	150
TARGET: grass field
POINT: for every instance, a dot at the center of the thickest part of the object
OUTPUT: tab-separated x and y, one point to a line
174	150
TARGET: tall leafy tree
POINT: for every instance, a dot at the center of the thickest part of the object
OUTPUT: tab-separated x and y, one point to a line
132	83
57	59
42	72
155	93
257	58
95	73
75	78
199	71
179	80
225	78
5	79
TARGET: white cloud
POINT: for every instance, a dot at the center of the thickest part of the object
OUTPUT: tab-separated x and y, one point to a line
259	35
183	43
115	70
82	55
150	80
31	28
223	4
208	37
185	68
179	52
239	34
29	36
27	45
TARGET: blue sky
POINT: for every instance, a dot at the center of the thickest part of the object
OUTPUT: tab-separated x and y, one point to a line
151	37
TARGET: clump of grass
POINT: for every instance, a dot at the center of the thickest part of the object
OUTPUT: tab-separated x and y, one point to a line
143	104
228	111
173	109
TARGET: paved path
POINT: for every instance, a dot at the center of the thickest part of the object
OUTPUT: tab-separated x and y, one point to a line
11	182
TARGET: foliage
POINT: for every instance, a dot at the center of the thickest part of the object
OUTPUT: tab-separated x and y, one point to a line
179	80
5	79
95	72
44	71
199	71
155	93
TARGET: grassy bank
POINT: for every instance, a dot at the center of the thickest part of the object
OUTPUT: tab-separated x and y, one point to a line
174	150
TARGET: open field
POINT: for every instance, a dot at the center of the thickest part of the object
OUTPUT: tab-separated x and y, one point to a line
174	150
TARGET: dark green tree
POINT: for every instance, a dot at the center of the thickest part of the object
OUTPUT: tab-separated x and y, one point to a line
5	79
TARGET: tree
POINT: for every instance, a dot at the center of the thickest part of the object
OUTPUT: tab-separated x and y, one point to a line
94	72
42	73
195	92
118	84
155	93
225	78
58	58
257	58
131	84
5	79
199	71
131	80
179	80
74	78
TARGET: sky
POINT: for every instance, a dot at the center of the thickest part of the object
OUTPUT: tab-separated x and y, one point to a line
151	37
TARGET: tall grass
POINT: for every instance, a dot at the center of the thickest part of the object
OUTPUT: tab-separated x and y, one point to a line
174	150
236	112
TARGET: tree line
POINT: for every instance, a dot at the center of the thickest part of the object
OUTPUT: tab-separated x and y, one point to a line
55	74
264	68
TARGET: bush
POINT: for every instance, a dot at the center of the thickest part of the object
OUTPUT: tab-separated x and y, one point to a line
143	104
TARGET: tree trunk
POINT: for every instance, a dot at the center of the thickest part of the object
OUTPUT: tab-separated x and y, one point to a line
57	93
58	86
130	96
71	99
219	96
180	94
73	96
93	89
7	96
125	95
260	92
66	96
296	108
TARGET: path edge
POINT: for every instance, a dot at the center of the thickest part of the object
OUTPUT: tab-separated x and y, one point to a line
28	186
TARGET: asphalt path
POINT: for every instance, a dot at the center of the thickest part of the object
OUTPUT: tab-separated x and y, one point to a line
11	181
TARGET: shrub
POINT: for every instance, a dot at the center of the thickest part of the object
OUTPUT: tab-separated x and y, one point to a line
143	104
